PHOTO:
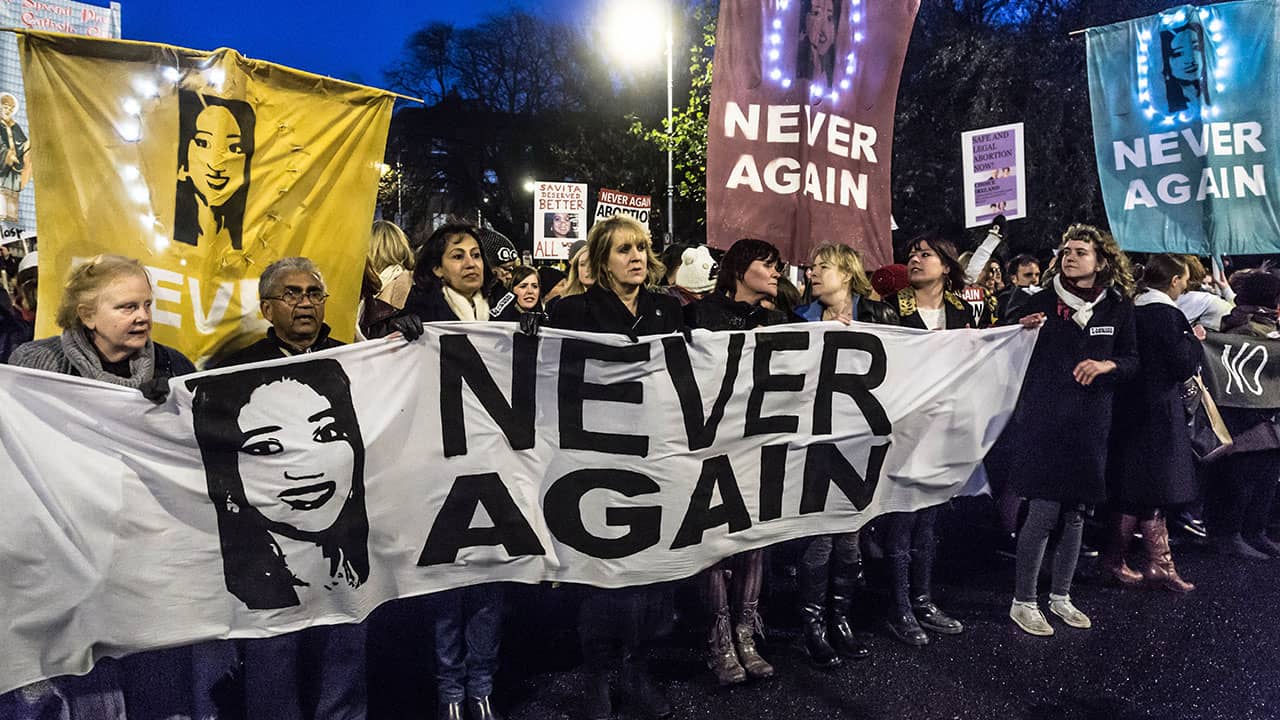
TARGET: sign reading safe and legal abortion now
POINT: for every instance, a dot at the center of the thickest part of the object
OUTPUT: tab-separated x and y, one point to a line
994	174
1185	108
800	134
270	497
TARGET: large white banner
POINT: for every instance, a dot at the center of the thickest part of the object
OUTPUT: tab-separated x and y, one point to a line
272	497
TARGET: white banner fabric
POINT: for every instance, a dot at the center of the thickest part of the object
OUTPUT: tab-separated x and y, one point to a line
271	497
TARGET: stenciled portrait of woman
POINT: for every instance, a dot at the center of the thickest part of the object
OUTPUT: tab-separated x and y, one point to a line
1184	68
215	152
816	49
284	462
560	225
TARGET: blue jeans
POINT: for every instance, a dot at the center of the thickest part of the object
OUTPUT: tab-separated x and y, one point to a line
468	630
312	673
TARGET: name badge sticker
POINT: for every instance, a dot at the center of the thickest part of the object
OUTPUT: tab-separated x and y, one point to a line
1102	330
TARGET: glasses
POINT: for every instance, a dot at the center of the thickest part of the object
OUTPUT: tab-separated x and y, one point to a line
292	297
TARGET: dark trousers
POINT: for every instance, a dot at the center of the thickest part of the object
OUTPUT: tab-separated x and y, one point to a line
620	624
312	673
1246	487
468	632
818	552
910	545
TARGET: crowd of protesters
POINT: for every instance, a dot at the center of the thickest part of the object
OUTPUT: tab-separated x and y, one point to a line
1100	430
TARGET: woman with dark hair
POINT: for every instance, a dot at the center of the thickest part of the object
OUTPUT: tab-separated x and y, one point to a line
748	276
257	430
621	260
215	151
449	285
1054	449
841	292
816	51
1152	465
1183	66
526	289
1246	478
929	302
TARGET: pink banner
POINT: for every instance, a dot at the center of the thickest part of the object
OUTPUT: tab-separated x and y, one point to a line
801	131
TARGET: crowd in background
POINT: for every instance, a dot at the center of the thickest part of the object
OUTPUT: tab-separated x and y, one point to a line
1099	435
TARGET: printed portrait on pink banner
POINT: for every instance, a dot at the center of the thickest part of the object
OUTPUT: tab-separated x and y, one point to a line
801	131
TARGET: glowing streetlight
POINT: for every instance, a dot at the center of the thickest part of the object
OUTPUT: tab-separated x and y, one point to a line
635	30
530	186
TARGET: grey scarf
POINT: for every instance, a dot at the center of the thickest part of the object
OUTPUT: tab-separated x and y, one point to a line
79	350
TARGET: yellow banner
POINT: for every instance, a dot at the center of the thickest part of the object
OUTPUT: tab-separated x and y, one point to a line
205	166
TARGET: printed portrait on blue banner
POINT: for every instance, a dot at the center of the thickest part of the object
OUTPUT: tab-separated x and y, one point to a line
215	151
284	462
1184	104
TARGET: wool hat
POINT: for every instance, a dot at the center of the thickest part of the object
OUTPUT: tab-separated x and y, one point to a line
1260	288
890	279
497	249
697	271
549	277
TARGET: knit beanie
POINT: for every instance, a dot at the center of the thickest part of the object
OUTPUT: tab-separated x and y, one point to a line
890	279
497	249
697	271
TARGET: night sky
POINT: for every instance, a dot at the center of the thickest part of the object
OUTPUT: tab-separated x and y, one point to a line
353	40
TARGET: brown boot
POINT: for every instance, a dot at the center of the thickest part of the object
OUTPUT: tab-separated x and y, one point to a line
1160	571
1119	533
722	658
744	637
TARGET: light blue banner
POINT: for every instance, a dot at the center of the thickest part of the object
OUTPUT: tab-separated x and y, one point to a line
1185	109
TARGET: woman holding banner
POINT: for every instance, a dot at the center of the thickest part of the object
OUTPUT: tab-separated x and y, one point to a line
620	258
929	302
1054	448
105	316
1153	468
449	285
841	292
748	276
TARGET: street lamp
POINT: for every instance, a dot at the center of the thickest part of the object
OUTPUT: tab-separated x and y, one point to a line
635	26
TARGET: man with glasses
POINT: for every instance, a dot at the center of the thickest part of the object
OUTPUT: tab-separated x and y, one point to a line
317	672
292	296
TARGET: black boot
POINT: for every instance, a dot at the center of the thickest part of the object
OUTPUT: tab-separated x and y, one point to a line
1263	544
813	615
931	618
481	708
902	621
848	579
640	688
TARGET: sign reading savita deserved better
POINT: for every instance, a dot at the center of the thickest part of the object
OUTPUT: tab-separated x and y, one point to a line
612	202
559	218
1186	104
800	135
476	454
205	166
994	174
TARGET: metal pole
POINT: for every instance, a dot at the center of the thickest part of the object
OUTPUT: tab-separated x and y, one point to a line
671	183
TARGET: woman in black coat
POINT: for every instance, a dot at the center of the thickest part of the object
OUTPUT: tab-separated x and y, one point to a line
929	302
623	265
840	289
748	275
449	284
1054	449
1152	466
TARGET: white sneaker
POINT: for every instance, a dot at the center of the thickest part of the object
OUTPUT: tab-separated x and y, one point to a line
1061	606
1028	617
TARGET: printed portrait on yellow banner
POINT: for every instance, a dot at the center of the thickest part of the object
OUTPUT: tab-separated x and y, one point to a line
207	167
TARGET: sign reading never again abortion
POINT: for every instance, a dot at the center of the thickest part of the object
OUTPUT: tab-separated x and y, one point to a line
271	497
